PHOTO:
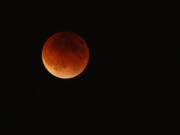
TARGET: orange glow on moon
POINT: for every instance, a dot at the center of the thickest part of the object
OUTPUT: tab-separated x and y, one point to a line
65	55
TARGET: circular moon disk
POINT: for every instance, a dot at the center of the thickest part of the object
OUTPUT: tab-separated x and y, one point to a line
65	55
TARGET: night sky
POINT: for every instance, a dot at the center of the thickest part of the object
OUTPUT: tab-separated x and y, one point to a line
118	77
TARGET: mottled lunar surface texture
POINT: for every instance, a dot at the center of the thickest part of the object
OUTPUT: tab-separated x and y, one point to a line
65	55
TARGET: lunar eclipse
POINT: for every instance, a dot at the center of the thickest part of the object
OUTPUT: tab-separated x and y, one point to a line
65	55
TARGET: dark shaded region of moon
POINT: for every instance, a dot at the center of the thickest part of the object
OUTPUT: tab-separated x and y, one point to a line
65	55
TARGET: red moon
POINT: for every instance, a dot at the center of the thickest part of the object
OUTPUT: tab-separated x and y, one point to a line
65	55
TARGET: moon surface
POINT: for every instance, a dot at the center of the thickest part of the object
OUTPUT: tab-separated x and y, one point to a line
65	55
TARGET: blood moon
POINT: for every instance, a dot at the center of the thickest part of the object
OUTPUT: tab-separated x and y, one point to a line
65	55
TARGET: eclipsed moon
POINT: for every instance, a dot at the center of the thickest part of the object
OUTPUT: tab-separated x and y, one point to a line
65	55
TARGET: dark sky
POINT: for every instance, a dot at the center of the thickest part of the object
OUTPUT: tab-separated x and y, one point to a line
118	77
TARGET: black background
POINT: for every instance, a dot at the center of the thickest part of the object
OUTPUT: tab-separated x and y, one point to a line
118	77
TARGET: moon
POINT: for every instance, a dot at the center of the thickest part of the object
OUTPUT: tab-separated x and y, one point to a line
65	55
